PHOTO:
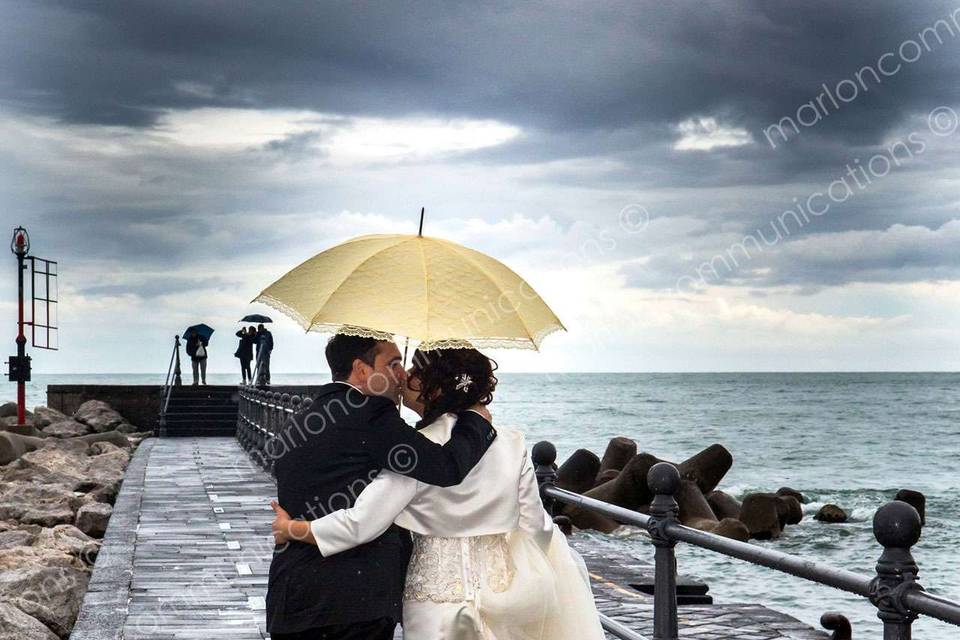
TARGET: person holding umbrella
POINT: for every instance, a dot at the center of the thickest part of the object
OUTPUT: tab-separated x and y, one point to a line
198	338
247	337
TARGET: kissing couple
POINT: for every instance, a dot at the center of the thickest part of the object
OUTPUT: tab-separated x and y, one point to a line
438	527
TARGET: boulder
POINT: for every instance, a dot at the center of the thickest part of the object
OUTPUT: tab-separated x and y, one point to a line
99	416
43	416
723	505
8	409
563	523
831	513
92	518
113	437
605	476
759	513
731	528
68	428
45	505
629	489
707	468
17	625
916	500
587	519
70	540
10	426
789	510
12	446
694	510
579	471
59	462
787	491
619	452
51	594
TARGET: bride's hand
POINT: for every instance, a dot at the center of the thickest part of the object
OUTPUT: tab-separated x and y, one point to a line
281	524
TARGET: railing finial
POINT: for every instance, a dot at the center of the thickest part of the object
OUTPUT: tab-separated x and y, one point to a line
896	525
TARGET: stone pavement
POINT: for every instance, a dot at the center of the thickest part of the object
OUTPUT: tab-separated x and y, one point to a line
188	548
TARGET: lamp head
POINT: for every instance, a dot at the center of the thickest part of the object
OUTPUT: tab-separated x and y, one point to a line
20	244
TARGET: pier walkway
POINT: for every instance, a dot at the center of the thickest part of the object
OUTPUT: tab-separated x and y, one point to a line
188	548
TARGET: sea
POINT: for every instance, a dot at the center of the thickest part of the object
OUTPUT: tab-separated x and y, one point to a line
852	439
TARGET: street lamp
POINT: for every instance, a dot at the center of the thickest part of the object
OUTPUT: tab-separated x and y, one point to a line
20	244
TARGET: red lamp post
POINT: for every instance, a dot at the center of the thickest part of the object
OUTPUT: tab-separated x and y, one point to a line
20	363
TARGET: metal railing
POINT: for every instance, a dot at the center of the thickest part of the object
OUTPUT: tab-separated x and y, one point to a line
894	589
172	380
260	416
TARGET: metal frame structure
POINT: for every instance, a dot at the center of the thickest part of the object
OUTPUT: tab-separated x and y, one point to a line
49	274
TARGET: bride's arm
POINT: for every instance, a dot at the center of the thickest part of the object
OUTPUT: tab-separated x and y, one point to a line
376	508
534	519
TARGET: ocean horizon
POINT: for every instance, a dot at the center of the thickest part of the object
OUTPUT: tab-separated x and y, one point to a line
847	438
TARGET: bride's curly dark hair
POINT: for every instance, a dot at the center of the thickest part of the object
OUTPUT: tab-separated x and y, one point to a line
463	378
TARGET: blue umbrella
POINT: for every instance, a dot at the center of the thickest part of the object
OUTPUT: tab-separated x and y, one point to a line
203	330
255	317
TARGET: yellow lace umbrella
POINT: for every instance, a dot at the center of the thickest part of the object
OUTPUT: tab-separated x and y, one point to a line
429	290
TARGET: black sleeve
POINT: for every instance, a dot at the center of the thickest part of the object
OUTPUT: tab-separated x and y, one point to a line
402	449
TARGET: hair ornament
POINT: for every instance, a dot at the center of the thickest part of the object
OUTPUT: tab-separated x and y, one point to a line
463	382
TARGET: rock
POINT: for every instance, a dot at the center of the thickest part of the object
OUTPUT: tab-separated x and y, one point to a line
60	462
789	510
587	519
17	625
99	416
605	476
113	437
629	489
126	427
43	416
759	513
564	524
16	538
723	505
10	426
92	518
70	540
619	452
694	510
579	471
12	446
731	528
8	409
787	491
916	500
68	428
51	594
45	505
831	513
707	468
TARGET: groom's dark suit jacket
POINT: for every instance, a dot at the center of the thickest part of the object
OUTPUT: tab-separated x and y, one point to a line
323	458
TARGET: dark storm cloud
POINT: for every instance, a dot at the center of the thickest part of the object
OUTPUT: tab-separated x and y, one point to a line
562	66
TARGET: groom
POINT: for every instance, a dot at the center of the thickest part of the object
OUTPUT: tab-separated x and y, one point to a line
324	457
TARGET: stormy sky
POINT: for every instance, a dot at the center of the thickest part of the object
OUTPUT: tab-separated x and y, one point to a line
694	186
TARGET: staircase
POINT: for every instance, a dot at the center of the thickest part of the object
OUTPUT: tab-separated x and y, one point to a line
201	411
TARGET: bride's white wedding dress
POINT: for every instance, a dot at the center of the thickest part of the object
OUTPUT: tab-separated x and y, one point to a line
488	563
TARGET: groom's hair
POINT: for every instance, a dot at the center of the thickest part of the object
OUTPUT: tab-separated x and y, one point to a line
342	350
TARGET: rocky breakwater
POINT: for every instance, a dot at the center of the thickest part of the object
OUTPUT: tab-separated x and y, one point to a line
620	478
59	476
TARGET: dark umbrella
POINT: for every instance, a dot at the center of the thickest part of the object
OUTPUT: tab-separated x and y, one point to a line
255	317
204	331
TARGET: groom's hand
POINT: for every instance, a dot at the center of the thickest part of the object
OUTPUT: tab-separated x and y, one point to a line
286	529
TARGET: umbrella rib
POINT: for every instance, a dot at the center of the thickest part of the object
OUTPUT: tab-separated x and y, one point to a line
451	247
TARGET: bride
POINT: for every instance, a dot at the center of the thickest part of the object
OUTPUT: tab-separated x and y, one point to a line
488	563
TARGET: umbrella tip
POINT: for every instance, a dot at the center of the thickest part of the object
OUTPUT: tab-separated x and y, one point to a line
420	232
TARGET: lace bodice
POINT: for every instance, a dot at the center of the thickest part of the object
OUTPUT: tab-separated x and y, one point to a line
456	569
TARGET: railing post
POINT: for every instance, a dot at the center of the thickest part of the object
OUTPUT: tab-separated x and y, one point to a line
896	525
544	455
663	479
177	381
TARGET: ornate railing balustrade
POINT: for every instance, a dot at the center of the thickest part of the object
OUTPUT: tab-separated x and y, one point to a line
261	415
894	590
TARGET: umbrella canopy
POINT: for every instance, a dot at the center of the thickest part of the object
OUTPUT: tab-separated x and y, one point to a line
203	330
256	317
434	291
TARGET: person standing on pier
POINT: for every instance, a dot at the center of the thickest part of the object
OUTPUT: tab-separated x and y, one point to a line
264	347
197	350
323	457
247	337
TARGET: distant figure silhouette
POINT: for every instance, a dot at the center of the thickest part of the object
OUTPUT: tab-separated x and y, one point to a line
247	337
197	350
264	347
